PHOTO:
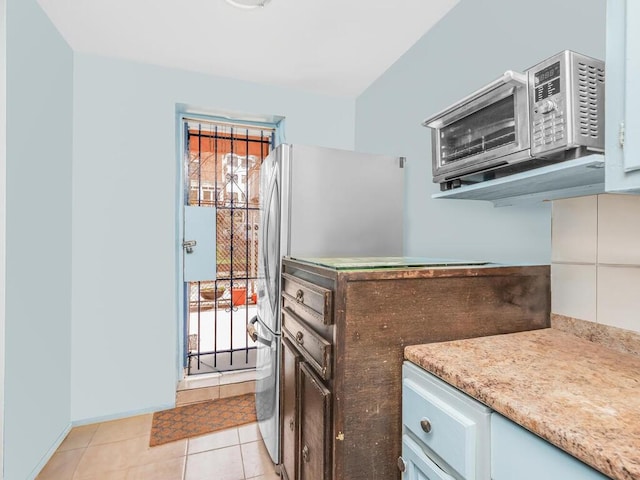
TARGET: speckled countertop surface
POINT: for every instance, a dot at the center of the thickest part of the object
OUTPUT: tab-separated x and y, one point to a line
580	396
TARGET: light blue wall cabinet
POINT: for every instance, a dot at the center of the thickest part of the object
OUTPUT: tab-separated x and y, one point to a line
623	97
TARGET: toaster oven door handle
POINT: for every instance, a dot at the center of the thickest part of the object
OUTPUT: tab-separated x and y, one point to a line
508	78
514	78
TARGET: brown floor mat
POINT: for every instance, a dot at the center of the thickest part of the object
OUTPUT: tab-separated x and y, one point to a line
201	418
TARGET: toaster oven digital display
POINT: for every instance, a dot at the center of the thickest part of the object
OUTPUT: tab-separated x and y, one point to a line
552	71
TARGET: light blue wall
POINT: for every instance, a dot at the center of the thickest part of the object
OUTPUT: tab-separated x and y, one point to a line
118	354
125	322
3	222
38	268
473	45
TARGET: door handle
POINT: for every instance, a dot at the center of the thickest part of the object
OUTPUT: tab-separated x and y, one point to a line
188	245
253	333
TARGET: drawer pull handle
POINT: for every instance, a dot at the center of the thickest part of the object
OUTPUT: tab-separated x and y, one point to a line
402	465
425	424
291	424
305	454
299	338
300	296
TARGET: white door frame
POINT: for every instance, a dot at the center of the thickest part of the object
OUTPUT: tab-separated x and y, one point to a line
184	113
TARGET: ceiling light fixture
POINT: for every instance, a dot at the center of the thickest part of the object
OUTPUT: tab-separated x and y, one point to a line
248	4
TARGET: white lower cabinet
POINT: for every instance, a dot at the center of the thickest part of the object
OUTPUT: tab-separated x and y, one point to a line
416	463
518	453
447	435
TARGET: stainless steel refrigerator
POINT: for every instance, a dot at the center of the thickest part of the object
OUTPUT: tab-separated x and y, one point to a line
316	202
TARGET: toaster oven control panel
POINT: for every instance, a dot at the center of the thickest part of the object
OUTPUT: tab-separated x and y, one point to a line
548	122
547	82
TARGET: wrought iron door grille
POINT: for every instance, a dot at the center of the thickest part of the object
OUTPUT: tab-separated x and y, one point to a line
222	170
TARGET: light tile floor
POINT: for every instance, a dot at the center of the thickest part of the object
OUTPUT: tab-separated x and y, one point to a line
119	450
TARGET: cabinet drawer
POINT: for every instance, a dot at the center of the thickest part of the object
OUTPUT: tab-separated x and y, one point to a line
311	302
315	349
451	424
418	465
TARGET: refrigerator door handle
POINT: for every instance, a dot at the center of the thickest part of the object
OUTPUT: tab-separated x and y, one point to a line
253	333
273	193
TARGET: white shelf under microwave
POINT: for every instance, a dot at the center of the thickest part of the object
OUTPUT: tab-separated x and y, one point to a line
571	178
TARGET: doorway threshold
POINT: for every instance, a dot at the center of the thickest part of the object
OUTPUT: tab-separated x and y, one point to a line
217	378
211	386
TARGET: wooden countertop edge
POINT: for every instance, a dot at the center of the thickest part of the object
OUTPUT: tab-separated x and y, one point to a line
409	272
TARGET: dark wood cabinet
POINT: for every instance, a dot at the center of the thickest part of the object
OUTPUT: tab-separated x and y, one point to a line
290	372
344	333
315	426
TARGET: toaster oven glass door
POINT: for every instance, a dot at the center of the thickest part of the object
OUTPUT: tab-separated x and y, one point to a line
491	127
483	133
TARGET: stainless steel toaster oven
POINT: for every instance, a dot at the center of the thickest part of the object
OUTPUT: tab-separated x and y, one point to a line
552	112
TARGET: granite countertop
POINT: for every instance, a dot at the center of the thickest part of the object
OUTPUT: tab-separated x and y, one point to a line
579	395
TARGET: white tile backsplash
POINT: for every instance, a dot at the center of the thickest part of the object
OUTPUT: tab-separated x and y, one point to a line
619	229
573	291
574	232
596	276
619	296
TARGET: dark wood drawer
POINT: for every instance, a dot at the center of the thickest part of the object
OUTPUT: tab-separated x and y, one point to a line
315	349
310	302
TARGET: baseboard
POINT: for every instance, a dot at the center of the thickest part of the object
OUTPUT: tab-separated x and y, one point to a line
38	468
76	423
118	416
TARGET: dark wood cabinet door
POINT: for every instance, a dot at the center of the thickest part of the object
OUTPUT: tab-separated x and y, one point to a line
315	427
290	365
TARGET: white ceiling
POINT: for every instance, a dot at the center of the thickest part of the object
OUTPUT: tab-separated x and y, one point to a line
335	47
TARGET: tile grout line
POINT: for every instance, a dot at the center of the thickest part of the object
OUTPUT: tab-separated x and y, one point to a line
84	450
186	459
185	454
244	473
75	469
